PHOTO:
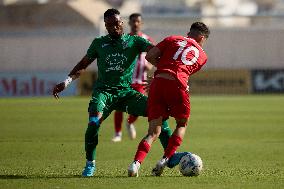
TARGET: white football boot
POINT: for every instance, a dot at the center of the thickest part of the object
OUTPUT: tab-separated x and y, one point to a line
117	137
133	169
161	164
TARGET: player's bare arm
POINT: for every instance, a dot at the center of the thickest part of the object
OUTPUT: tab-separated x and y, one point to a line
153	55
74	74
148	66
80	67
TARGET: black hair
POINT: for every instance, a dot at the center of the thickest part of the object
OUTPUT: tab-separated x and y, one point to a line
111	12
199	28
134	15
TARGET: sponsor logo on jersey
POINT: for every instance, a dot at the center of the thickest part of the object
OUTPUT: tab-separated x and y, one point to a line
125	44
115	62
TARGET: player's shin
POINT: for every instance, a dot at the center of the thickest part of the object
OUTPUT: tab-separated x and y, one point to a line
142	151
118	117
91	140
166	133
174	142
176	138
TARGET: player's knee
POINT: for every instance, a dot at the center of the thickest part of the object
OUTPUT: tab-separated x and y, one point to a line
94	121
152	137
181	122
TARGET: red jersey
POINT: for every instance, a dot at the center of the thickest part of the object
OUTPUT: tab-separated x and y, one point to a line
140	72
181	57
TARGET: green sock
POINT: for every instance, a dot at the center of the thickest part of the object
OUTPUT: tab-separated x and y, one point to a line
91	141
166	133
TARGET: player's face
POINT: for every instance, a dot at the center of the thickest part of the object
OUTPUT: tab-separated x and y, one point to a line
114	26
135	24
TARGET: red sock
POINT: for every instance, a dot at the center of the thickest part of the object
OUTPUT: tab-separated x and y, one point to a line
174	143
142	151
118	116
132	119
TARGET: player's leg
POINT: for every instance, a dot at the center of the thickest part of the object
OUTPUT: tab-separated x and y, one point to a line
145	145
118	117
178	100
165	134
176	138
98	111
130	126
131	119
180	109
155	127
91	141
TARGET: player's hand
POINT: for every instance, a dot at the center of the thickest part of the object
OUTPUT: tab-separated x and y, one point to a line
57	89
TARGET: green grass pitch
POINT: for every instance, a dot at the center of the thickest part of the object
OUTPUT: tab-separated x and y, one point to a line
239	138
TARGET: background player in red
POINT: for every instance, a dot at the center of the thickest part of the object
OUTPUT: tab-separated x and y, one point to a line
138	79
176	58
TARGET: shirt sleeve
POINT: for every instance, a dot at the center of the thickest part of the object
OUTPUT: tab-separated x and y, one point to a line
92	50
163	44
142	43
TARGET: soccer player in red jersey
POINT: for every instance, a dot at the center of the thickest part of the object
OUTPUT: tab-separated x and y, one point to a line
176	58
139	77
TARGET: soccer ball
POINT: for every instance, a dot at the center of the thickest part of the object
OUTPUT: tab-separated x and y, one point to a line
190	165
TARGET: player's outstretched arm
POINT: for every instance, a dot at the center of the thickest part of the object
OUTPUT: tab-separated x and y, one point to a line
74	74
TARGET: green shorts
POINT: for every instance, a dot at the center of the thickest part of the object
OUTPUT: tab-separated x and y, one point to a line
124	99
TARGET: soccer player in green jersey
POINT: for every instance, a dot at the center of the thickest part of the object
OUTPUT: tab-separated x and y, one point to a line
116	54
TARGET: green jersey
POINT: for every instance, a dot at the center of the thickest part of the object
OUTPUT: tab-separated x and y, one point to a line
116	58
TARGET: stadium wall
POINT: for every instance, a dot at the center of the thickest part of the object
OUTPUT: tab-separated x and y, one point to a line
43	51
62	49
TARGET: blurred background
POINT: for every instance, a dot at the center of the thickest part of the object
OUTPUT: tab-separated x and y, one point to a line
42	40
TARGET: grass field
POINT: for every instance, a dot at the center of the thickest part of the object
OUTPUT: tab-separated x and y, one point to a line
239	138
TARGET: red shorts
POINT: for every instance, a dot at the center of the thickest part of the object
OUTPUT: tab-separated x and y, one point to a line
167	98
139	88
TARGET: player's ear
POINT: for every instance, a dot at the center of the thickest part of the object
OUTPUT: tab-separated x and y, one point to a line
202	40
199	38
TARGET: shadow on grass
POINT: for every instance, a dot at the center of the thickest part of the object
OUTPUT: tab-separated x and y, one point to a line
68	176
54	176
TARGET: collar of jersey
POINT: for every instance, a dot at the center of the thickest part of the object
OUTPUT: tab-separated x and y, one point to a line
116	40
139	33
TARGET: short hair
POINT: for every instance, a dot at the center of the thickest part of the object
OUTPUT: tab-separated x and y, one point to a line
111	12
199	28
134	15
